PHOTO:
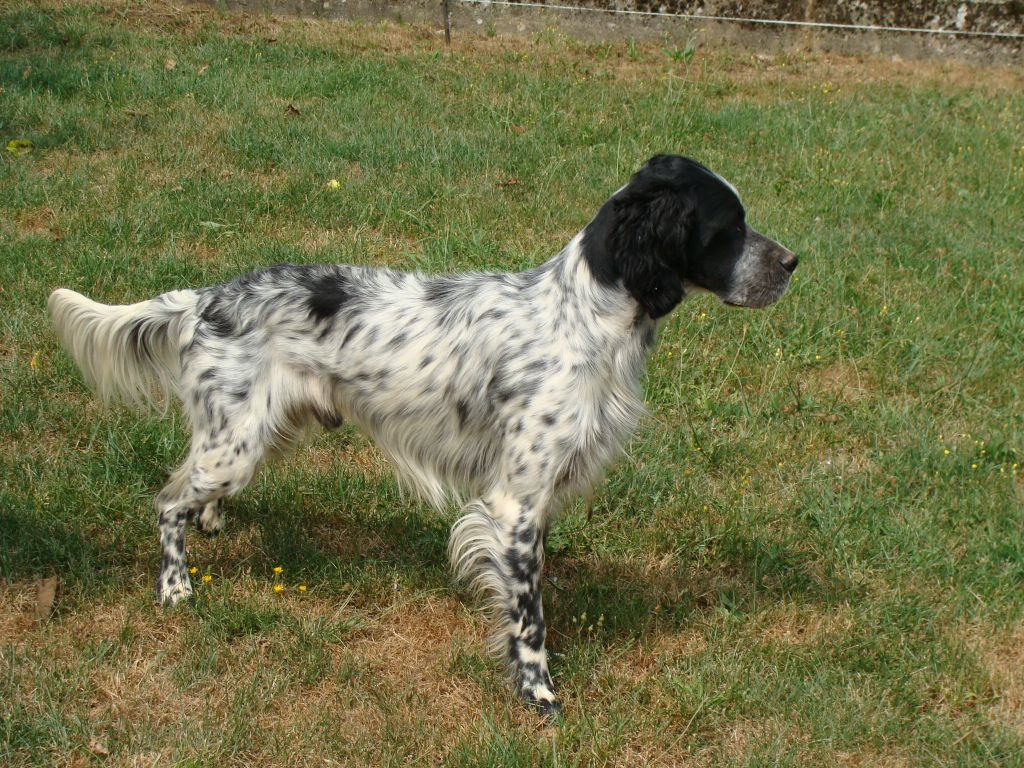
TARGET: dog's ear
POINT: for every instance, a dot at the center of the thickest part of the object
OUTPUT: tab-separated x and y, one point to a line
649	240
640	237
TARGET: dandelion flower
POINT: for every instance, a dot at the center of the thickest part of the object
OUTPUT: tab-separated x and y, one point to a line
193	570
302	587
279	587
278	570
207	578
333	184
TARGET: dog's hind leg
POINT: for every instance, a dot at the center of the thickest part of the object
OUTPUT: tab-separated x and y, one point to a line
218	466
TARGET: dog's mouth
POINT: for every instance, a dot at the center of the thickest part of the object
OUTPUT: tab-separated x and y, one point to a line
758	301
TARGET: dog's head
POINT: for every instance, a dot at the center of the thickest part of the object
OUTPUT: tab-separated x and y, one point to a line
677	226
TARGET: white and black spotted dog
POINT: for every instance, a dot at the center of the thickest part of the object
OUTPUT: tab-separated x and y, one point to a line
515	391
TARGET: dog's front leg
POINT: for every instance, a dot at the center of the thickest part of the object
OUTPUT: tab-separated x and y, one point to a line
498	547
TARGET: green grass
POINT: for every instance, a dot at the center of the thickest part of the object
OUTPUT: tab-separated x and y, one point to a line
814	551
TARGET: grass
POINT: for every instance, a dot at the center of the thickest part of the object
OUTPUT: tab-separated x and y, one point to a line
814	551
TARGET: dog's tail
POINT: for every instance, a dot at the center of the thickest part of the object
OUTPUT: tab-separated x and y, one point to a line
129	352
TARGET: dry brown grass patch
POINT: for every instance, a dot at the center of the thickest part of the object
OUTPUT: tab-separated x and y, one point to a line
873	760
326	455
1002	656
637	664
842	380
404	660
795	624
835	71
17	609
38	222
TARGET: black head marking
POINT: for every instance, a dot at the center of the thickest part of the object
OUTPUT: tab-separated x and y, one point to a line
654	230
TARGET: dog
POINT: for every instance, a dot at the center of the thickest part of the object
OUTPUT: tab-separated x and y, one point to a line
507	392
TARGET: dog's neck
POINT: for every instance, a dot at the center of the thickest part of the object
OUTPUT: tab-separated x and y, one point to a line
606	312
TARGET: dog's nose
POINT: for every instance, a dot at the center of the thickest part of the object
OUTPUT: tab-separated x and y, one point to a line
789	261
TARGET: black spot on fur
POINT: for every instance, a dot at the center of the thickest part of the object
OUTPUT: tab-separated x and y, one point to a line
218	319
440	290
462	409
327	294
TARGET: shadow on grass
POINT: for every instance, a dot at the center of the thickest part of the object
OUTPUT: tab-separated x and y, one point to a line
373	551
375	548
612	600
33	544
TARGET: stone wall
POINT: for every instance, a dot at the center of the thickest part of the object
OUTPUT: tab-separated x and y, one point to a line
963	15
493	18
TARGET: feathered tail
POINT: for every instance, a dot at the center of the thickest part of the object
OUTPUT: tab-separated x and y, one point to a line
129	352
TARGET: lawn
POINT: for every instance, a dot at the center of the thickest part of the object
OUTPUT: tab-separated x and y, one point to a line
813	553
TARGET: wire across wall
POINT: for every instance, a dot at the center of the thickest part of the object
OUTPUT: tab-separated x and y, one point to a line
824	25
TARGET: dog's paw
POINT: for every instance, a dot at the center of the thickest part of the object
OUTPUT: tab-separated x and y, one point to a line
210	521
173	589
544	702
550	710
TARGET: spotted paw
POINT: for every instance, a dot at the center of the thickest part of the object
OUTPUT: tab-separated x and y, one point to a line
544	703
172	590
549	710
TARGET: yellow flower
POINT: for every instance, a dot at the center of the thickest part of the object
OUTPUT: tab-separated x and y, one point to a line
974	466
207	578
279	587
945	451
302	587
19	147
333	184
278	569
193	570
